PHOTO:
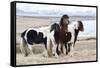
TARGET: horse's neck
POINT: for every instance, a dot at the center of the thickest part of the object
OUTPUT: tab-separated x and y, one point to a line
64	28
70	28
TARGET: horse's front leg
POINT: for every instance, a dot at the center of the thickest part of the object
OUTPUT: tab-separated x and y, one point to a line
47	52
63	49
59	48
54	49
66	47
71	46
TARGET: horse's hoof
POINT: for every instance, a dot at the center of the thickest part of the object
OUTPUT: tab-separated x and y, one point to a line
26	55
44	55
56	56
70	54
66	53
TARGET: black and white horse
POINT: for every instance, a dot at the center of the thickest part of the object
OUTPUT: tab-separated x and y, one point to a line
74	27
33	36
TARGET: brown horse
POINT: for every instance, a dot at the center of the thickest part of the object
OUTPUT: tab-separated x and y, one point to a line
60	35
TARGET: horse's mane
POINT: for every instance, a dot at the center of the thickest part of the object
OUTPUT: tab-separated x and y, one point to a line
80	23
55	27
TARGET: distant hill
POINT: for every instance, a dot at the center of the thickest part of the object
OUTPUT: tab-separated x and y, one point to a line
20	11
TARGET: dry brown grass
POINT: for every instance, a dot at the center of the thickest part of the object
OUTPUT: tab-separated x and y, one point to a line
84	50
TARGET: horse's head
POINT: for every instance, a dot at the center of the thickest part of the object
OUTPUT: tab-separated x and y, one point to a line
64	23
78	25
55	27
64	20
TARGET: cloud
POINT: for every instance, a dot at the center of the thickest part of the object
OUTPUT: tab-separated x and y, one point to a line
56	10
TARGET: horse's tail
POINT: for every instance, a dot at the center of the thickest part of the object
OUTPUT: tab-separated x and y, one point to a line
23	44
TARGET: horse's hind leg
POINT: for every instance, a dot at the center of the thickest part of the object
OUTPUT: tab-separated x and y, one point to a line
71	49
54	50
30	49
69	45
66	47
58	52
47	51
60	48
26	50
23	47
63	49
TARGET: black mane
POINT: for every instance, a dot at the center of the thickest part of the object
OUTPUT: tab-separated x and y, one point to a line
55	27
80	26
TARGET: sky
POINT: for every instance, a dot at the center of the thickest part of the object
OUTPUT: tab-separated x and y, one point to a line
26	9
